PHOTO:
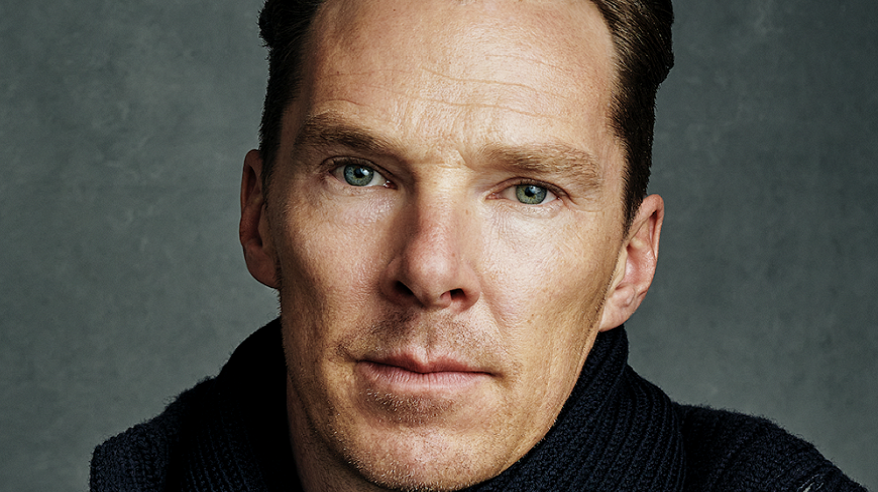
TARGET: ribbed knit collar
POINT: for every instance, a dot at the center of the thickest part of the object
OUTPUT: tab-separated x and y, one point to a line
617	432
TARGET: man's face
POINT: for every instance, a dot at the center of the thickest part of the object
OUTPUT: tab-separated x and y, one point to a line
446	217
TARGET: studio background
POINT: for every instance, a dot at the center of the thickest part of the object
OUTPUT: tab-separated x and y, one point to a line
123	127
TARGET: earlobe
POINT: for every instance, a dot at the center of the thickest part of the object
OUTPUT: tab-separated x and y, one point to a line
253	230
636	264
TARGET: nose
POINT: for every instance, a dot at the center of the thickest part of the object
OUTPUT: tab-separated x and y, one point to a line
434	262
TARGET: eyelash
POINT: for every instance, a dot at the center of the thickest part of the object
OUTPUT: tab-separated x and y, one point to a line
526	181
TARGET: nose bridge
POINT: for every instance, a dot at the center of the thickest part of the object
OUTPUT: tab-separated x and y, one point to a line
435	263
434	246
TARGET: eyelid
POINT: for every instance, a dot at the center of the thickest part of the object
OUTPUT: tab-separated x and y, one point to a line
558	192
336	161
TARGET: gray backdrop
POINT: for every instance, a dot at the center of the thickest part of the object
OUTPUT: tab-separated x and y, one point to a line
123	126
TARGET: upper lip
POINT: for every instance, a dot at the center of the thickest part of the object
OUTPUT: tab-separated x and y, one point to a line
414	364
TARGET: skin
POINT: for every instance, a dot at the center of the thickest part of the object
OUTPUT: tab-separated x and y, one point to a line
433	324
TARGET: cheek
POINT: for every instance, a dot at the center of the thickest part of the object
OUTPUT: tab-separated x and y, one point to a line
529	265
545	286
330	257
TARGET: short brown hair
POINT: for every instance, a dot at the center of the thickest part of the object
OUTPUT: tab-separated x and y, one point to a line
641	31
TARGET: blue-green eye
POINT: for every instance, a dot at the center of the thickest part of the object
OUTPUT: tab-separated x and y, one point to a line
357	175
531	194
360	175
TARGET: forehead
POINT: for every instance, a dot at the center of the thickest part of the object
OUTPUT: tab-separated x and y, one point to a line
465	72
559	31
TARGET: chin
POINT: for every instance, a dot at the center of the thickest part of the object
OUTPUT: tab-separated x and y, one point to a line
423	464
420	477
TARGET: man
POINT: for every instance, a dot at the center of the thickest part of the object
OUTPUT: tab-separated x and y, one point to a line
449	197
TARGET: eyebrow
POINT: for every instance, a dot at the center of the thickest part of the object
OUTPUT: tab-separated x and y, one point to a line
552	160
330	130
539	160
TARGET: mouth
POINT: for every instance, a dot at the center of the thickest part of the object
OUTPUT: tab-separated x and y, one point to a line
405	374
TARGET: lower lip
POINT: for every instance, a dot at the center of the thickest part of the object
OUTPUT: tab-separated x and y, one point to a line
399	380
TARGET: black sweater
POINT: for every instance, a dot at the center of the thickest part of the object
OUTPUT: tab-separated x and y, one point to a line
616	432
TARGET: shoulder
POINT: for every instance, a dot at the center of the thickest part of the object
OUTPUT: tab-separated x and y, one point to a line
728	451
143	457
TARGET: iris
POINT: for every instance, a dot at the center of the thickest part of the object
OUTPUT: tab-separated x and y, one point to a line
357	175
530	194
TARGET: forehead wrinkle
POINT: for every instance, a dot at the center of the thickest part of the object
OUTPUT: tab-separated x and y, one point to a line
496	82
550	160
461	104
515	97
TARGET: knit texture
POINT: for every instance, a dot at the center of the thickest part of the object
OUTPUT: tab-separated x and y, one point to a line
617	432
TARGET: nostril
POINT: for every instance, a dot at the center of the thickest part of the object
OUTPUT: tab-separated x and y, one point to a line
403	290
457	294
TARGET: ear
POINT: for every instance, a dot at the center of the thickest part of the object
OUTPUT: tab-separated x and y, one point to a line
253	230
635	266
